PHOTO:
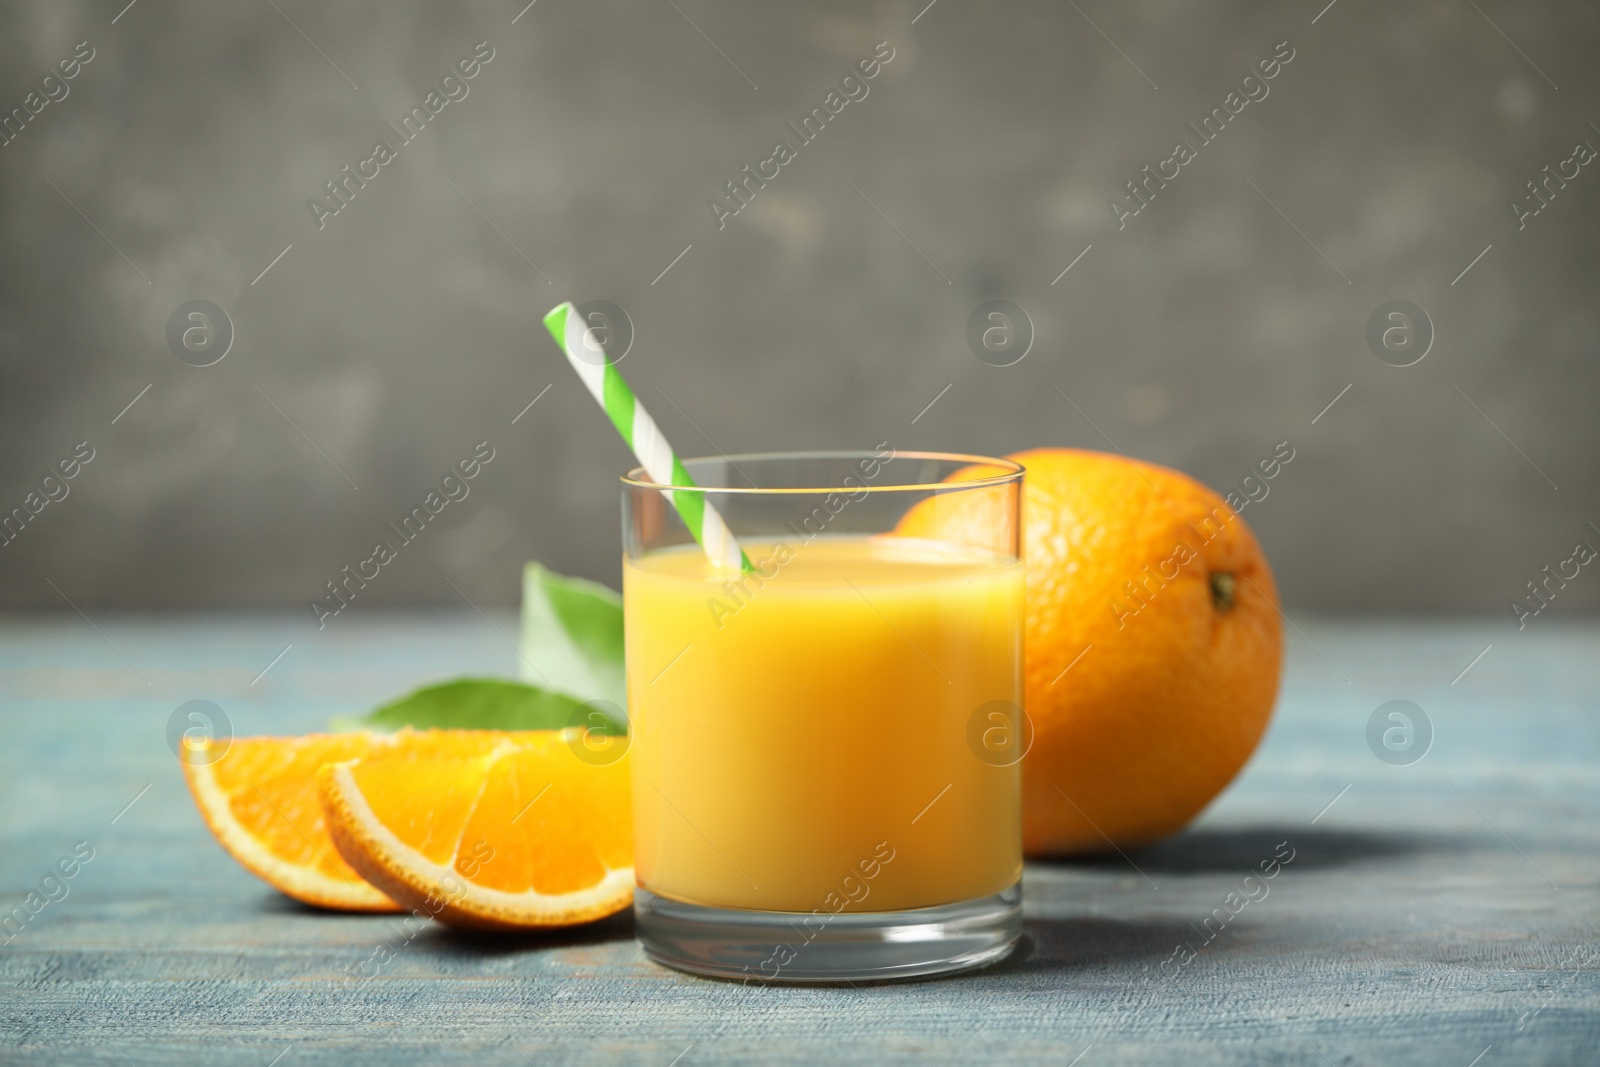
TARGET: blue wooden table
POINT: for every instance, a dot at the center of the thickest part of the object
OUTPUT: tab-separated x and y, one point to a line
1442	912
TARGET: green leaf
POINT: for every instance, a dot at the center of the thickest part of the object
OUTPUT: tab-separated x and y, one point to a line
572	636
486	704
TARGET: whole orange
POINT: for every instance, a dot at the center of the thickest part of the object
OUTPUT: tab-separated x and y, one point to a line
1153	646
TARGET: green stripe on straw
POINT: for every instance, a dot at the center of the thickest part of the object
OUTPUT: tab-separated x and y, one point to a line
642	435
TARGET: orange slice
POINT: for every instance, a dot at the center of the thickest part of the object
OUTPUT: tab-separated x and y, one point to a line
258	796
488	829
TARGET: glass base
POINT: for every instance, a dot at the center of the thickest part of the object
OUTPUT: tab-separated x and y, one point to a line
782	946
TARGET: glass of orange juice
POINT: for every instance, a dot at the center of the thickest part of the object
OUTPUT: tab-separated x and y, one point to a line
825	746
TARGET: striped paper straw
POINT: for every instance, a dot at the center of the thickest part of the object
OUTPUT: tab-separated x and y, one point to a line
639	430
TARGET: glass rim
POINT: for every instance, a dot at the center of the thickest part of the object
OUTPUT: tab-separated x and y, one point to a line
1013	472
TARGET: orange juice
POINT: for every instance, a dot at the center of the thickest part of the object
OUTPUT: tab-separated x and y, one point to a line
804	731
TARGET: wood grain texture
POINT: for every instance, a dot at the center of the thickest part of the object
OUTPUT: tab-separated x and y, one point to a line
1433	912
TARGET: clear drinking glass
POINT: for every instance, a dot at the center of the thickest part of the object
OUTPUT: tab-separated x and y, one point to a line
825	747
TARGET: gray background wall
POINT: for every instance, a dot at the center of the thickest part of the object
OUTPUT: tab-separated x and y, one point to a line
406	330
